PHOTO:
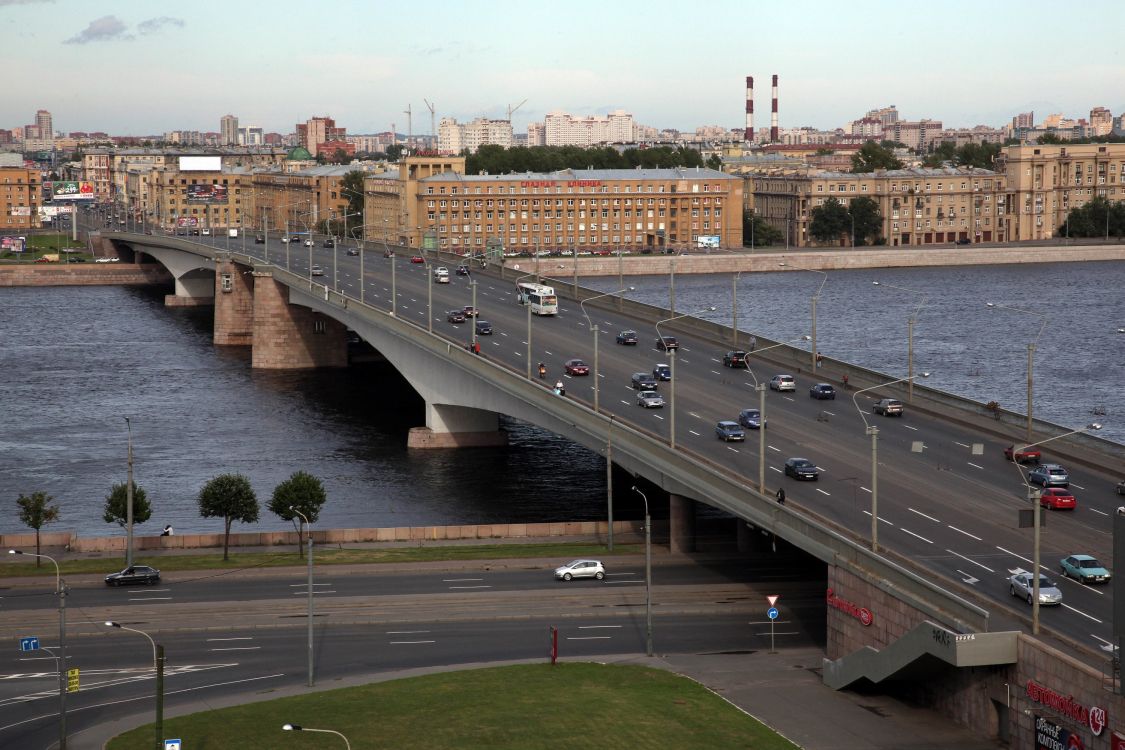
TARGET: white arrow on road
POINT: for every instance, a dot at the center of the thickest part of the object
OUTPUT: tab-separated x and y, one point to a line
968	578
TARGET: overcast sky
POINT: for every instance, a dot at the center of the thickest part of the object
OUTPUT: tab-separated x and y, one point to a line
136	67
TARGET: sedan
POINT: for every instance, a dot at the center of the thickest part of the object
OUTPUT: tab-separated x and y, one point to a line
413	258
135	574
735	358
353	251
650	400
1120	488
783	383
470	311
627	337
580	569
801	468
727	430
455	316
330	242
1023	455
576	367
484	328
462	270
1057	498
751	418
317	271
1049	475
1023	586
308	243
1084	569
642	381
667	343
662	372
259	240
822	391
888	407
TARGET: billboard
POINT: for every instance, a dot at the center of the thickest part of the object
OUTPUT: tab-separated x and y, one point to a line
201	164
68	191
187	221
707	240
12	244
206	193
20	211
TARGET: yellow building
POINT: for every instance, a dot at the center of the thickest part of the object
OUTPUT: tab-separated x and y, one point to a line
298	200
20	198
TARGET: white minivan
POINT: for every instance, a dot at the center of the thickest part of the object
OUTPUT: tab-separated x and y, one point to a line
441	275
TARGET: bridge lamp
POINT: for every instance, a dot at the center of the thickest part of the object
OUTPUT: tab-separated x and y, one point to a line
760	388
873	431
527	304
672	367
299	728
1030	355
909	333
594	329
648	574
158	670
815	299
308	533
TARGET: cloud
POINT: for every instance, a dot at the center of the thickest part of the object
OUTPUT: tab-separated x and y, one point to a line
23	2
104	29
153	25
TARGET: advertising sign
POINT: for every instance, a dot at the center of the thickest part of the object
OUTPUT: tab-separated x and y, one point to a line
48	213
1094	717
707	240
20	211
187	221
201	163
207	193
863	614
68	191
12	244
1052	736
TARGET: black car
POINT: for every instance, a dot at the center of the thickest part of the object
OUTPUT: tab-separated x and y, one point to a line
667	343
822	390
801	468
330	242
643	381
455	316
462	270
135	574
662	372
259	240
484	328
735	358
627	337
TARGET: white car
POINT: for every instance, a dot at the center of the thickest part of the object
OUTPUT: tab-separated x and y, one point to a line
441	275
317	271
783	383
308	243
580	569
650	400
1023	586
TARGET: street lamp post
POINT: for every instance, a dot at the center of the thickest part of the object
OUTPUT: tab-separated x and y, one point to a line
429	298
308	536
299	728
594	329
648	575
672	367
60	590
909	334
527	304
1030	357
476	317
815	298
873	431
761	390
158	671
1033	496
129	500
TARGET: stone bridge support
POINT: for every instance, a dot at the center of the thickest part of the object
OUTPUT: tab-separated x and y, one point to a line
292	337
681	524
234	305
457	427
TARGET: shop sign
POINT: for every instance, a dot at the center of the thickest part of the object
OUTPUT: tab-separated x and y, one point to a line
1052	736
1094	717
863	614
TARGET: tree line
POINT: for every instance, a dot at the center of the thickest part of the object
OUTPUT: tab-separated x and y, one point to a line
500	160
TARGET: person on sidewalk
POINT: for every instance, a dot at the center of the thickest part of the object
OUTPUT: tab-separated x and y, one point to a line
168	531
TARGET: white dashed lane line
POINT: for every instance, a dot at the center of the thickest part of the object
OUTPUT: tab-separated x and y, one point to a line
911	533
923	515
971	536
970	560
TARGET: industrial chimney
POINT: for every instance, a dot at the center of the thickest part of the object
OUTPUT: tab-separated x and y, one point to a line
749	135
773	113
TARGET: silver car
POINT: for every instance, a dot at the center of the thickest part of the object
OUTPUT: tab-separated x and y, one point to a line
783	383
650	400
580	569
1022	585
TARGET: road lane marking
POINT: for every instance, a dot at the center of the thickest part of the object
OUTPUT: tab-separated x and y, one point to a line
716	372
482	586
923	515
658	417
640	580
237	648
975	466
1100	512
732	449
970	560
239	638
611	575
1018	557
405	632
911	533
693	432
962	531
303	593
409	643
588	637
773	449
963	445
152	599
459	580
1072	484
910	428
305	585
600	627
1080	612
693	414
826	494
881	519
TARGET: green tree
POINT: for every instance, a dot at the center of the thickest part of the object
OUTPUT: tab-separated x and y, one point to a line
117	501
865	218
714	161
944	152
1050	139
303	492
829	221
231	498
36	512
757	232
352	185
824	151
979	155
872	156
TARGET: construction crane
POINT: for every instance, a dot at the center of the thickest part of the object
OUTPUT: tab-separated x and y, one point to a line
512	109
433	130
409	124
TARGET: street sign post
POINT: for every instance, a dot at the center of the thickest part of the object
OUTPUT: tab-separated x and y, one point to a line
173	744
31	643
72	680
772	614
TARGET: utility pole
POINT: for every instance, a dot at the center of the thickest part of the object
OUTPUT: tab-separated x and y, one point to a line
129	501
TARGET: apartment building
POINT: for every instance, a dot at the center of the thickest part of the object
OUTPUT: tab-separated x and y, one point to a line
20	199
455	138
181	200
228	130
297	201
562	129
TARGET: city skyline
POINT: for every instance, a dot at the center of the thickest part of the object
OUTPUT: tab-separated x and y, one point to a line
363	65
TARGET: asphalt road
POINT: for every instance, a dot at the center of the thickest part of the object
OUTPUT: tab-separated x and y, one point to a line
942	504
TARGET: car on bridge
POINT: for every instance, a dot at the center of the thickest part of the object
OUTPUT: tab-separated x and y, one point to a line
483	327
1023	455
736	358
441	275
1049	475
643	381
802	468
650	400
309	242
751	419
413	258
888	407
259	239
470	311
1057	498
455	316
1120	488
627	337
462	270
667	343
783	383
1084	569
317	271
353	251
822	391
576	367
330	242
134	574
1023	586
727	431
662	372
580	569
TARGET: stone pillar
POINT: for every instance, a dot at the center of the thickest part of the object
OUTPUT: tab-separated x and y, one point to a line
681	524
450	426
292	337
193	289
234	305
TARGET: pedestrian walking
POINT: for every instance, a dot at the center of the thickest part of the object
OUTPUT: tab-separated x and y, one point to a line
781	496
753	343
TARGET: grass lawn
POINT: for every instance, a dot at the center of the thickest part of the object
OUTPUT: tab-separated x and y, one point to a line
525	707
51	243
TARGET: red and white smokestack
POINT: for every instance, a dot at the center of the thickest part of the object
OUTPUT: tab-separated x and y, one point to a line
773	113
749	135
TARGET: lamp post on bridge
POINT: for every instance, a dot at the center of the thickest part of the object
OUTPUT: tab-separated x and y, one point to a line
1030	356
672	367
909	334
815	299
760	388
594	329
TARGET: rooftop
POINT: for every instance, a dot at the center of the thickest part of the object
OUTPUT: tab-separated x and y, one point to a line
675	173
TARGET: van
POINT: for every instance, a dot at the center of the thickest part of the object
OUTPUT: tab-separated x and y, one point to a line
232	233
205	232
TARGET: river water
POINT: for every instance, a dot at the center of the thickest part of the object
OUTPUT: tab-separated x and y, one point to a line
77	360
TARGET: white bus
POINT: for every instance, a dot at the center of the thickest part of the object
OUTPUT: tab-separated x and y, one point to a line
541	298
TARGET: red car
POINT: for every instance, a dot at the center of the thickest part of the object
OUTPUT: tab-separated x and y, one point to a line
417	259
1058	499
576	367
1025	456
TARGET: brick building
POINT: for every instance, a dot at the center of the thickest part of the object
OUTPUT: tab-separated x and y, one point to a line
20	199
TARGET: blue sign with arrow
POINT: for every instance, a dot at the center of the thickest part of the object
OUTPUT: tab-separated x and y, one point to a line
30	643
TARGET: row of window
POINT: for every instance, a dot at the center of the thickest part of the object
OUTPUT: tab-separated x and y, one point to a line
567	242
534	203
903	187
558	189
605	214
604	226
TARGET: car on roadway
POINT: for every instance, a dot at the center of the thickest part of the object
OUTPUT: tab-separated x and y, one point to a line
285	239
801	468
1023	585
391	254
650	400
751	419
1049	475
317	271
441	275
667	343
259	239
822	391
1023	455
726	430
888	407
576	367
353	251
1120	488
1084	569
580	569
462	270
643	381
662	372
1057	498
735	358
134	574
413	258
330	242
308	243
205	232
483	327
627	337
783	383
455	316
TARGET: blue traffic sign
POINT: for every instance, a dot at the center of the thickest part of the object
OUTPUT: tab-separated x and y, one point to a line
176	744
29	644
772	613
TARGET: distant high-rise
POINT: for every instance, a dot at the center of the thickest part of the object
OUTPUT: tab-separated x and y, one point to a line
43	122
318	130
1024	120
228	130
1101	120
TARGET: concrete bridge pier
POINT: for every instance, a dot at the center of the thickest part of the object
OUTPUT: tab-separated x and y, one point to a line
193	289
681	524
234	305
450	426
292	337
